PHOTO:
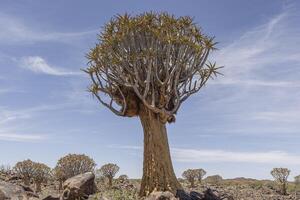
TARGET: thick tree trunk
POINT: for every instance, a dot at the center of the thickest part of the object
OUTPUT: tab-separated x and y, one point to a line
26	181
110	179
192	181
283	189
158	173
60	187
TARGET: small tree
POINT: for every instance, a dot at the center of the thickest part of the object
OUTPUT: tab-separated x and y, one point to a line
25	170
147	66
5	169
281	175
297	182
42	173
72	165
190	175
123	178
215	179
109	171
200	173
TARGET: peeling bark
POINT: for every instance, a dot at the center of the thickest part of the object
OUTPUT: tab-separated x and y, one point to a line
158	172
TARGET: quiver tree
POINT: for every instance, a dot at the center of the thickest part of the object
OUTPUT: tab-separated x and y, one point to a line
109	171
123	178
147	66
281	175
72	165
200	174
42	174
191	175
5	170
297	182
25	170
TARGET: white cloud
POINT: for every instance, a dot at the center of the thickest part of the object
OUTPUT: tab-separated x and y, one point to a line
262	50
39	65
217	155
204	156
7	116
13	30
21	137
282	116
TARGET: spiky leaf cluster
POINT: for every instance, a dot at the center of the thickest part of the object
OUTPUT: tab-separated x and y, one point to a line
108	170
154	60
42	173
280	174
72	165
25	169
192	174
123	177
30	170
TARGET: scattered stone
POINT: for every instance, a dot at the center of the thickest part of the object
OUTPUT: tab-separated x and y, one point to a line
10	191
161	196
79	187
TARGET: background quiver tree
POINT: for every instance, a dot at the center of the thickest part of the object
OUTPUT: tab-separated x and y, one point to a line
5	171
25	169
200	174
297	182
109	171
42	173
72	165
281	175
123	178
191	175
147	66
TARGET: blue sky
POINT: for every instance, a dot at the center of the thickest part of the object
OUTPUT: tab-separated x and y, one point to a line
242	124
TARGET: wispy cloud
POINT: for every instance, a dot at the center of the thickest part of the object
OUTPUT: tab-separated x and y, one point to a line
21	137
204	156
14	30
218	155
262	50
282	116
39	65
21	114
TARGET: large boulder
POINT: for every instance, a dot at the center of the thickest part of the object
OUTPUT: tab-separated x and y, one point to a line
11	191
79	187
161	196
208	194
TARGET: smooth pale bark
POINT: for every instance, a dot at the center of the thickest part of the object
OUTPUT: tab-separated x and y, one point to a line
158	172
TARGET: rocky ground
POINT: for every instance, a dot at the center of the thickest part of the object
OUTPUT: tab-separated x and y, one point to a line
235	189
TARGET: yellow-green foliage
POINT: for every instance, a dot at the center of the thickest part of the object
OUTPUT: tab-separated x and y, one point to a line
41	173
108	170
25	169
29	170
155	59
72	165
